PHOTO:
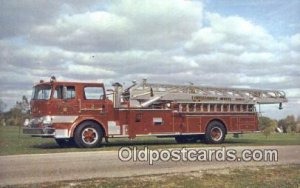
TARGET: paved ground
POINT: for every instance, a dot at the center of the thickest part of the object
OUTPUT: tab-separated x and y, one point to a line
36	168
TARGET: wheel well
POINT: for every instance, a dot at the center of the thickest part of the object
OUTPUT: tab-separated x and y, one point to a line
94	121
220	121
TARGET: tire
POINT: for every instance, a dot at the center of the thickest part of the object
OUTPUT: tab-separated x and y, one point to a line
63	143
88	135
215	133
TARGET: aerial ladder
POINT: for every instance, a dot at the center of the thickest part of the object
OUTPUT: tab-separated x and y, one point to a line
190	98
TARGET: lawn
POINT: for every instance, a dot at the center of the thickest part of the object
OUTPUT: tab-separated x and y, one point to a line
11	142
268	176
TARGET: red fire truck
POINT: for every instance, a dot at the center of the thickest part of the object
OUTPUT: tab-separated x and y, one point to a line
84	113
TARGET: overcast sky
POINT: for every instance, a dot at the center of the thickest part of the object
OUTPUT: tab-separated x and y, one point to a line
233	43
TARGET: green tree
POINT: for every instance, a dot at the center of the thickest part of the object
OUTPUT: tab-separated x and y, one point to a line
291	122
267	125
16	115
288	124
23	105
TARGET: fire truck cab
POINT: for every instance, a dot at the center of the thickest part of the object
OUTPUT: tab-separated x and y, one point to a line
82	114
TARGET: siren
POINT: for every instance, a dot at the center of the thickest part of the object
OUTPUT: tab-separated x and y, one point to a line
52	79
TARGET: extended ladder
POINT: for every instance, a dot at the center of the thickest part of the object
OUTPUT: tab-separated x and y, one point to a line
199	94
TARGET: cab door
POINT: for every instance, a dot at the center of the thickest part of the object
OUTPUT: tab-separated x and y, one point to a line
93	101
64	100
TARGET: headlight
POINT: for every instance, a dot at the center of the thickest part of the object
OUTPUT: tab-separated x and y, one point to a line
47	120
26	122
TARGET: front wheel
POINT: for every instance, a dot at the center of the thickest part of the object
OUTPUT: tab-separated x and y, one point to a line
88	135
215	133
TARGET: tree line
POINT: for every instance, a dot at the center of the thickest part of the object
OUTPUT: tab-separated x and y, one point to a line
289	124
16	115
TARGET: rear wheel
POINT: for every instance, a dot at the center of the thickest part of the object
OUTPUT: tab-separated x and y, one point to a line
215	133
88	135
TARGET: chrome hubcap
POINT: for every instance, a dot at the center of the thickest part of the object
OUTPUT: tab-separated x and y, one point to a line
216	134
89	135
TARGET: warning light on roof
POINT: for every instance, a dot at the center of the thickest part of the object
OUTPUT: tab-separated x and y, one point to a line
52	79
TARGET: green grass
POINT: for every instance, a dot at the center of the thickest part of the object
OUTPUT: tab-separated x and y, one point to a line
268	176
11	142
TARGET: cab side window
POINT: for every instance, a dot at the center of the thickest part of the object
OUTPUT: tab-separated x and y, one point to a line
94	93
69	92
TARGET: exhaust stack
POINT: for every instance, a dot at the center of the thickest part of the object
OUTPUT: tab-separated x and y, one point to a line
117	94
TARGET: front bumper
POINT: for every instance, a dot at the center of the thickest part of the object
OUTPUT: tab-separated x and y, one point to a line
47	132
40	132
46	126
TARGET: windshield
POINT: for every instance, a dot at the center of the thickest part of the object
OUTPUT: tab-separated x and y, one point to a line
41	92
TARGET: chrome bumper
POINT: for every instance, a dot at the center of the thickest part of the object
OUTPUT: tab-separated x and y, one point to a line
40	132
